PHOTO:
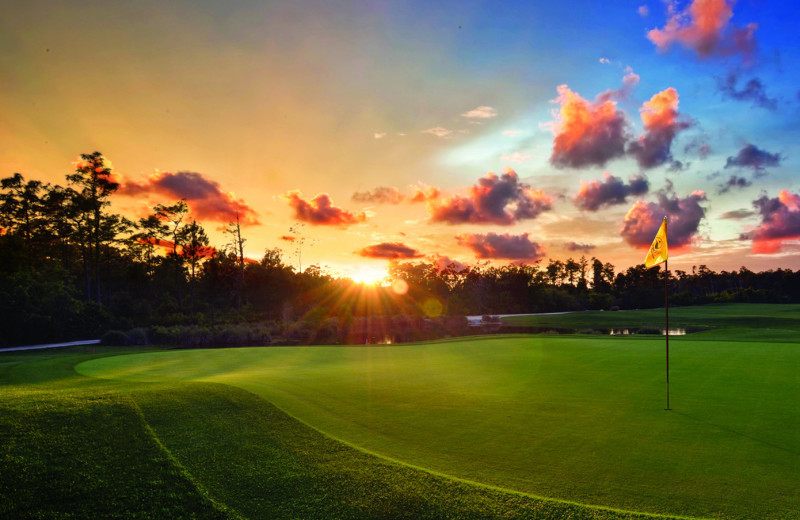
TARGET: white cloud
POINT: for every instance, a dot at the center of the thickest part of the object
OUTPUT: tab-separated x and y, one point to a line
605	61
482	112
512	133
516	157
380	135
438	132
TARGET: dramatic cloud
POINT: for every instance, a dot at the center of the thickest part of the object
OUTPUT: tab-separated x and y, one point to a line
780	221
750	156
584	248
205	198
438	132
661	124
644	218
380	195
586	134
703	28
390	250
592	195
734	182
752	91
505	246
494	200
288	238
482	112
320	210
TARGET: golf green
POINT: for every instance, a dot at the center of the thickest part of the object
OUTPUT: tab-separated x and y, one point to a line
578	418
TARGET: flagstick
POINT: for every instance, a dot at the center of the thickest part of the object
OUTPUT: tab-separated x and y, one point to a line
666	321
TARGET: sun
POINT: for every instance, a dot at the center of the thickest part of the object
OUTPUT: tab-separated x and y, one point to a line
369	275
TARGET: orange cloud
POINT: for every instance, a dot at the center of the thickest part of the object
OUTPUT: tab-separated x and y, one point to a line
587	134
320	211
425	193
662	123
205	198
703	28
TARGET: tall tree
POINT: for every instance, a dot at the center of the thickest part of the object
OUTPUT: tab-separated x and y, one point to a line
93	185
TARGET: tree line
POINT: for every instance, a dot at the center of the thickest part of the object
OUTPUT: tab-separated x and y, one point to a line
71	268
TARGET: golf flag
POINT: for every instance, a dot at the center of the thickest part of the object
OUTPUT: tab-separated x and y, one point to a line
658	250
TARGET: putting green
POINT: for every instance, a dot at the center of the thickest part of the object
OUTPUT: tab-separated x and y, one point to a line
575	418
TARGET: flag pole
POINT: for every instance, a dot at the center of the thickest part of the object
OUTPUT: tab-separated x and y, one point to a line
666	313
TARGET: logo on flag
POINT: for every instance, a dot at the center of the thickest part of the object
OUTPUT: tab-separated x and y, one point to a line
658	250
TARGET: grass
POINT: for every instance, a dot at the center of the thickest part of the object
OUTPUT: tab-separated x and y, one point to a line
578	418
78	447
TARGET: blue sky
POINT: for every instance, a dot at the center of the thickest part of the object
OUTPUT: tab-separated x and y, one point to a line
341	98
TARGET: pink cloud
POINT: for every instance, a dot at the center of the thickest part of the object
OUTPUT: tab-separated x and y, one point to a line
644	218
505	246
595	194
703	28
320	210
494	200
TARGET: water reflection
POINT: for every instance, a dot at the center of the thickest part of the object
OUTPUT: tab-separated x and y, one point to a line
627	332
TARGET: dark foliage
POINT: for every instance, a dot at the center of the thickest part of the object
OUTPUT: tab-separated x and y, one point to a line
71	269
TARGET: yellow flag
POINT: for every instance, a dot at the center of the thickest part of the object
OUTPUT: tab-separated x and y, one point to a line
658	250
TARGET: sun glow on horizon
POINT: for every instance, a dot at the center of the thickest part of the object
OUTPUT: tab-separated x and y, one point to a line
369	275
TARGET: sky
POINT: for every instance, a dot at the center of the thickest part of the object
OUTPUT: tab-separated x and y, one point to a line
467	132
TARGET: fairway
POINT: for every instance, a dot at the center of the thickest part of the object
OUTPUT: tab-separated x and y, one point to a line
578	418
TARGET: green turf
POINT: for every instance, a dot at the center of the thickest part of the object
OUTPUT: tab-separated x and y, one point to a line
576	418
77	447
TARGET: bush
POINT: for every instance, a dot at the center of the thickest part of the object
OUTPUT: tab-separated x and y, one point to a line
115	338
136	336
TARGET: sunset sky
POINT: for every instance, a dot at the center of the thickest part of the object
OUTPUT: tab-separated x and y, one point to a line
468	131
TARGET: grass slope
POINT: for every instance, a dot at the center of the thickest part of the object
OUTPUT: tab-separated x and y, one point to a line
73	448
77	447
577	418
